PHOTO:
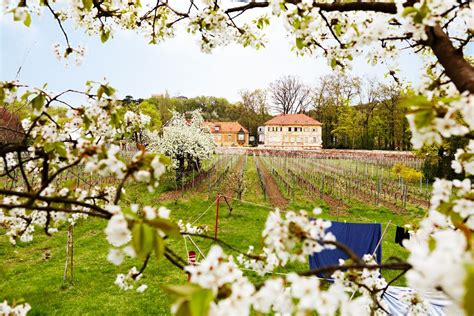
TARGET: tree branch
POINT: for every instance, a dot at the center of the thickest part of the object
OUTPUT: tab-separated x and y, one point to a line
457	68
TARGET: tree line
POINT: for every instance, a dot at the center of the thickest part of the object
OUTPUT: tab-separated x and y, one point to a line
356	113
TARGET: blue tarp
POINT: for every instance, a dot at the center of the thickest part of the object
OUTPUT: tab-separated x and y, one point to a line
360	237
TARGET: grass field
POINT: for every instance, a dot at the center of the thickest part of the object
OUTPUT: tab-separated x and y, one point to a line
34	271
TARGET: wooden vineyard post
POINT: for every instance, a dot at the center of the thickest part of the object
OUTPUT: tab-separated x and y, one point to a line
322	187
379	188
217	215
69	267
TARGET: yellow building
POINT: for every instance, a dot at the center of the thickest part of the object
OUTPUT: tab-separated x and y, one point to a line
293	131
228	133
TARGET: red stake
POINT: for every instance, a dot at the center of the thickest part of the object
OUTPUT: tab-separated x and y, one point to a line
217	215
191	261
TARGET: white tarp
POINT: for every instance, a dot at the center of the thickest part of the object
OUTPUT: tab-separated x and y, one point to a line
437	301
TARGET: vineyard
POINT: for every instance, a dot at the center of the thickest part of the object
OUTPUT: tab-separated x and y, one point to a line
334	177
337	180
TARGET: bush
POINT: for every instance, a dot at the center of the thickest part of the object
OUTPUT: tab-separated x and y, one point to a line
406	173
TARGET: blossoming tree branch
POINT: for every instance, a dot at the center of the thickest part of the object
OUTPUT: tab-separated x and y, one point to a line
442	106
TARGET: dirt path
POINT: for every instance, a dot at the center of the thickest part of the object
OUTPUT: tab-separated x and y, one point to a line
170	195
273	192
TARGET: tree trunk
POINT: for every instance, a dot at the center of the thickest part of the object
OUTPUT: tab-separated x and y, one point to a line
180	171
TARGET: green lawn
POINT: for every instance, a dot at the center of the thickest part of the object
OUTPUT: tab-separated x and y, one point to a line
26	274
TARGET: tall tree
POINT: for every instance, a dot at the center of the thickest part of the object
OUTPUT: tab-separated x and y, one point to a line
289	95
254	100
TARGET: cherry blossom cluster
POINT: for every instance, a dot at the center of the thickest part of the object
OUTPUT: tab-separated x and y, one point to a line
62	53
130	280
428	127
289	238
365	281
439	249
188	228
83	138
135	121
14	310
220	274
235	295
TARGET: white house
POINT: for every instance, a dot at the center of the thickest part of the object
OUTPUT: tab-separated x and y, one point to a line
293	131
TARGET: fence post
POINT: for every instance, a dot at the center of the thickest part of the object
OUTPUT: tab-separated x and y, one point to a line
217	215
69	255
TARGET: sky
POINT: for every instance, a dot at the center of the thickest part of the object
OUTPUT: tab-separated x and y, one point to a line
176	66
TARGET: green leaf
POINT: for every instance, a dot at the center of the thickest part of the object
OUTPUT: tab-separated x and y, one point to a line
108	90
183	309
104	35
60	149
103	88
431	243
338	29
409	10
185	290
168	227
48	147
299	43
354	26
143	238
469	290
70	184
423	118
200	301
87	4
159	247
2	96
57	148
27	20
38	102
333	63
191	299
100	91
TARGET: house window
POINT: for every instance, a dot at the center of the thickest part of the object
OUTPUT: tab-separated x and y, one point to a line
229	137
298	139
216	128
306	129
268	128
281	129
241	136
219	137
315	139
289	129
314	130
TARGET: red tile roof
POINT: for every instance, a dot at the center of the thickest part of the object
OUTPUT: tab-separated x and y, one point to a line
292	119
225	127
